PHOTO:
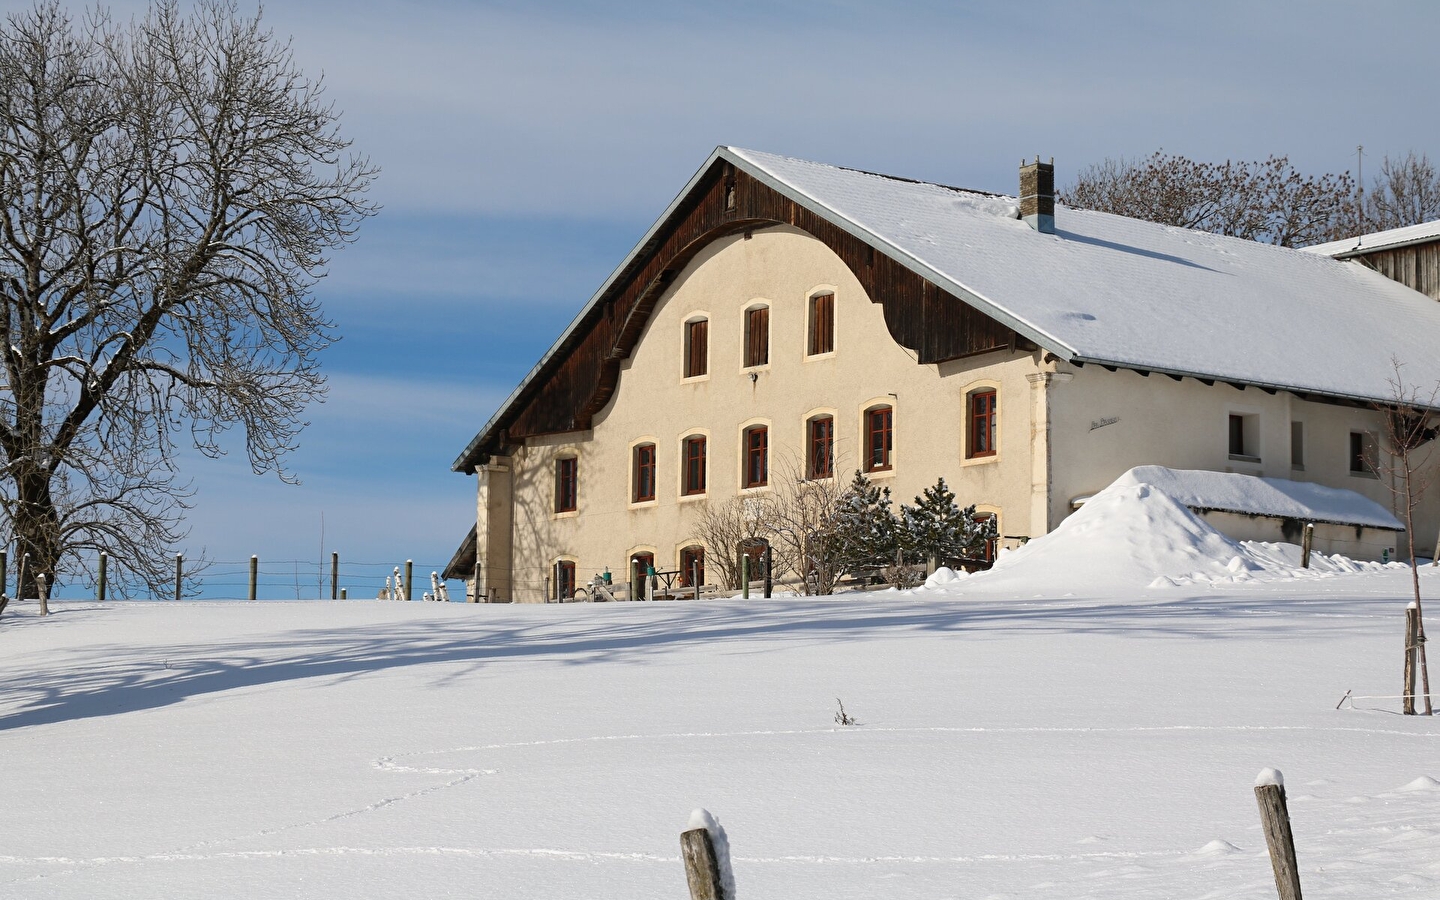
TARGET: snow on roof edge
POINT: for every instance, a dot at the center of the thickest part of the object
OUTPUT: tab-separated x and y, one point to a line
1389	239
1202	489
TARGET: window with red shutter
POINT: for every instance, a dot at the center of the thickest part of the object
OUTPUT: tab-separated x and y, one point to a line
982	417
697	348
822	324
878	438
644	473
757	336
695	465
822	447
567	486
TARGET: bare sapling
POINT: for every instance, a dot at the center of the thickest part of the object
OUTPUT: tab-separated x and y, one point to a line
1410	443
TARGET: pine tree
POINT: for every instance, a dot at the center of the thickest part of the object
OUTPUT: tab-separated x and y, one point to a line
867	533
936	528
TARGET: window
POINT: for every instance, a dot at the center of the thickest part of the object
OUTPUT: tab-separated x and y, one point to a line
641	565
1244	440
697	347
644	473
987	552
1363	456
694	465
567	472
564	580
878	445
757	336
822	324
821	442
1297	446
692	566
757	469
982	424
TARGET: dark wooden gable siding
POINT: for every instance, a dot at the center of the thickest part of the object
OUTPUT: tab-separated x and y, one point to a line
584	373
1416	266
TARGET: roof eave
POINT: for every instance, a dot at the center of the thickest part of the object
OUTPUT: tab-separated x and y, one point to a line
467	459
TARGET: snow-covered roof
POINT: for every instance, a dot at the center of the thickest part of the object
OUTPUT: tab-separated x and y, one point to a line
1278	497
1118	291
1379	240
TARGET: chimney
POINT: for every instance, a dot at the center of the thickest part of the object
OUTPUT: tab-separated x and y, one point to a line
1037	195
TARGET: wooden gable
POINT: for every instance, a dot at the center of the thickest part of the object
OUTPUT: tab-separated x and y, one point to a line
583	374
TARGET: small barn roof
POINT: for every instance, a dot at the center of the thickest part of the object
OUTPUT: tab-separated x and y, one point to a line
1275	497
1389	239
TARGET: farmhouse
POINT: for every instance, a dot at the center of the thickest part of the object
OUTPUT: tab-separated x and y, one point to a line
784	318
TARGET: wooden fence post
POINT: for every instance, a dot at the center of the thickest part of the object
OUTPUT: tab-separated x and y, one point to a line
100	580
4	574
1275	819
20	580
1306	543
343	592
254	574
745	575
43	590
768	558
695	577
334	576
409	571
1412	629
702	872
179	575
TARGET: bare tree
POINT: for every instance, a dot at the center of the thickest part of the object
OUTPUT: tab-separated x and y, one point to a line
1406	469
169	192
1406	192
1267	201
726	526
806	523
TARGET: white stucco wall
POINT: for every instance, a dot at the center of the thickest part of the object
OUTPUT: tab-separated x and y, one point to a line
1185	424
783	267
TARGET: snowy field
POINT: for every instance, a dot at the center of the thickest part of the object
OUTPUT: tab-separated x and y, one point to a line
1009	746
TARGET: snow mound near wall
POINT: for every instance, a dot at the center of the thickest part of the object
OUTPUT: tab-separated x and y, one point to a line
1135	535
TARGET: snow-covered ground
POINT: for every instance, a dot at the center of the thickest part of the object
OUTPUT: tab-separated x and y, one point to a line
1007	747
1100	739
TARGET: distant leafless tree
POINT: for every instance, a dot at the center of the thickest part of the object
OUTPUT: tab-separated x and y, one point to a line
1406	192
169	192
1267	201
1409	433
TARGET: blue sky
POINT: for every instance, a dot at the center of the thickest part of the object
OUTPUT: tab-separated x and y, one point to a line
526	146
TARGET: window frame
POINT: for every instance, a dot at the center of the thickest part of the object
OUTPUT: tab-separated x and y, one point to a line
687	485
755	354
975	416
689	552
888	443
1243	432
638	469
1368	444
813	442
565	566
753	453
695	363
820	329
567	484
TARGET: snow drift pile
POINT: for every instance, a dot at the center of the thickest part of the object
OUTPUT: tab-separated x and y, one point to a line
1134	534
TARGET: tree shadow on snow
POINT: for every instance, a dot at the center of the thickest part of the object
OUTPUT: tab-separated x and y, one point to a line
64	690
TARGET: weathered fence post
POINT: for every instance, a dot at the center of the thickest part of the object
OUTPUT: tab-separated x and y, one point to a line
43	590
1412	632
768	558
409	571
695	577
334	576
254	574
100	579
4	574
705	850
1275	819
1306	543
179	575
343	593
745	575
